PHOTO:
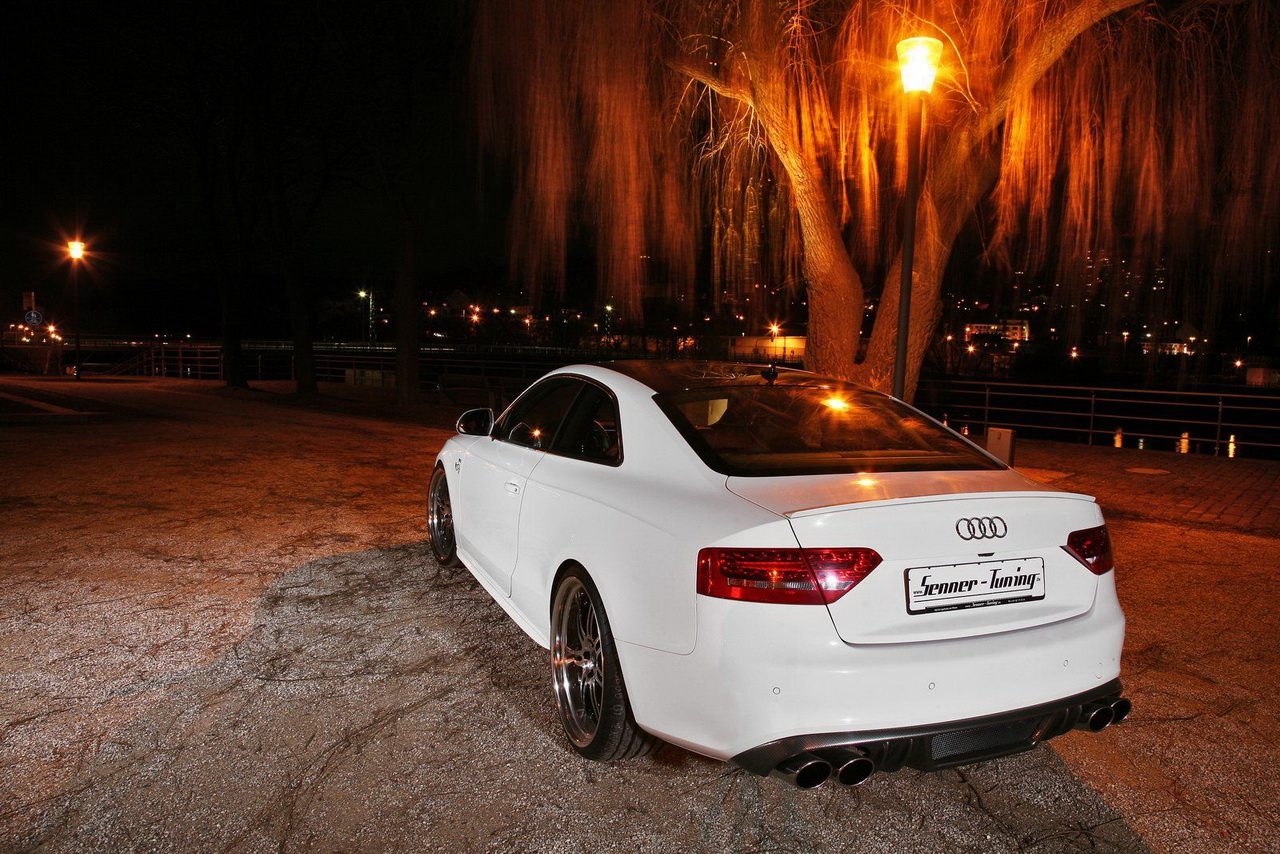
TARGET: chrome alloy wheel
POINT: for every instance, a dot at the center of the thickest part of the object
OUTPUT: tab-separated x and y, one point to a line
440	518
577	663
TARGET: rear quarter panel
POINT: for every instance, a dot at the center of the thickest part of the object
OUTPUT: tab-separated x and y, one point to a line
636	528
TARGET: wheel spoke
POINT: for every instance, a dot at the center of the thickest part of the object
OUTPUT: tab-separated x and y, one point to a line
576	660
585	614
440	517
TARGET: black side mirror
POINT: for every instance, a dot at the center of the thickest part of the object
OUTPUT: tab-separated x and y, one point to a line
476	422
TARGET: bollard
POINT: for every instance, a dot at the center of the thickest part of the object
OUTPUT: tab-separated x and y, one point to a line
1000	442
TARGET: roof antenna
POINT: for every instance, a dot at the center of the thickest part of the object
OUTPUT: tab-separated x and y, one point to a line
770	373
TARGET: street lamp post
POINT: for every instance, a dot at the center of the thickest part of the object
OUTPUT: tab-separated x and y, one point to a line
918	58
75	249
368	333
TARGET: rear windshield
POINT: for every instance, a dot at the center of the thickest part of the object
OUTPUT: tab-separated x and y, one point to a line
763	430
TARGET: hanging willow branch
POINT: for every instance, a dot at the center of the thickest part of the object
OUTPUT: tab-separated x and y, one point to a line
774	130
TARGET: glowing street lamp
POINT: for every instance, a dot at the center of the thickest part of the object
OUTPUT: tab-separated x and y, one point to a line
369	331
774	329
918	58
75	249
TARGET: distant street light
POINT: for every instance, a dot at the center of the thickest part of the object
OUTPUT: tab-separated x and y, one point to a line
369	331
76	250
919	59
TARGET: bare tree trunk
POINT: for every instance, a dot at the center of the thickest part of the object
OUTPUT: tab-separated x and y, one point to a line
876	369
834	287
408	344
962	180
233	373
304	355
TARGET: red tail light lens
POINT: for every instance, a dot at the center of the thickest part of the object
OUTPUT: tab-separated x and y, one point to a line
1092	547
783	576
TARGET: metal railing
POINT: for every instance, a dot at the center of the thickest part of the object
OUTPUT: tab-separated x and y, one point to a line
191	362
1211	422
1193	421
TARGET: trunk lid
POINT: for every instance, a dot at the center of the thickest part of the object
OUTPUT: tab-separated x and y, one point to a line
964	553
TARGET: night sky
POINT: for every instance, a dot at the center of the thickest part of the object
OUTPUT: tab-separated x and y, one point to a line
97	108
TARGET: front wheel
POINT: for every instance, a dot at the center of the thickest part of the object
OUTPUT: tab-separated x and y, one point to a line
590	693
444	544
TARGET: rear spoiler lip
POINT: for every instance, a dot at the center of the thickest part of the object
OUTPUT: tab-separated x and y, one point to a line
802	512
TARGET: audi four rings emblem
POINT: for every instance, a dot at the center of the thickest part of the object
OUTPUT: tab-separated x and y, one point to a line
981	528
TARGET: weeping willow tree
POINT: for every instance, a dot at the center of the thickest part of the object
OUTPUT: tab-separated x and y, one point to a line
776	131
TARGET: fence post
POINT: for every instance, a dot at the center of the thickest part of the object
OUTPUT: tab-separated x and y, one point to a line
1093	404
1217	436
986	409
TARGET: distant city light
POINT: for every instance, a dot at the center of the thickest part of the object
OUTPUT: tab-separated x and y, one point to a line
76	248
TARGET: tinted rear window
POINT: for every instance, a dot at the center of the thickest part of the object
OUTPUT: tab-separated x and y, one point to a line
764	430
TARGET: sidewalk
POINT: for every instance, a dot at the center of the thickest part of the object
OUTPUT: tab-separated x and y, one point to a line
1240	494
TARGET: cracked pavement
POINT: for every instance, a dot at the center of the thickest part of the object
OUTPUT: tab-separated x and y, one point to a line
220	629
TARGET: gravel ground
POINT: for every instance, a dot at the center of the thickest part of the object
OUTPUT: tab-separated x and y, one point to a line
380	702
219	629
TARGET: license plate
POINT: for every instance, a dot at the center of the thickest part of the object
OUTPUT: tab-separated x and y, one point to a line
974	585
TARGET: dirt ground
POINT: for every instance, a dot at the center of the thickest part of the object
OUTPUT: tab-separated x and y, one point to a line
220	629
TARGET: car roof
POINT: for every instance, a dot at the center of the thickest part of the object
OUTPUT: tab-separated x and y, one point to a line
672	376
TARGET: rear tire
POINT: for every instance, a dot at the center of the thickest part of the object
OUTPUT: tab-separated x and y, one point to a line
591	695
444	543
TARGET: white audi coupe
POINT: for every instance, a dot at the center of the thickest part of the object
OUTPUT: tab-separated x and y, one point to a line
806	577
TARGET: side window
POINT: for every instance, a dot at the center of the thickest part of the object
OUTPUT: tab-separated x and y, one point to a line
536	416
592	431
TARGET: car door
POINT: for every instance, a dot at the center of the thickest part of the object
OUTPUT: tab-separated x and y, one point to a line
495	472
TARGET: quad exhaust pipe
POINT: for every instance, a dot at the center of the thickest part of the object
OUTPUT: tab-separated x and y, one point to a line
853	766
848	765
1095	717
804	770
1120	709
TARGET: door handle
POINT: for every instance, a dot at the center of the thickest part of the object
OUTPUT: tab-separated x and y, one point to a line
512	487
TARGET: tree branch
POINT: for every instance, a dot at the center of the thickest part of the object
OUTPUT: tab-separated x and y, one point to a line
1041	55
709	76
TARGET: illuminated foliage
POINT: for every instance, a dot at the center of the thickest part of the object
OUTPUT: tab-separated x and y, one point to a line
1068	127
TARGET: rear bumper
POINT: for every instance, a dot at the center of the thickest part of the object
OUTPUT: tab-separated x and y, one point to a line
762	674
944	745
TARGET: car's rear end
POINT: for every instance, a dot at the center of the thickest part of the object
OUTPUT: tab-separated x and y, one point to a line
934	609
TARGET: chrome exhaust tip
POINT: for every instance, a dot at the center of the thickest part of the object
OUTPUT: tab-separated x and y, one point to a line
1120	709
804	771
850	766
1095	717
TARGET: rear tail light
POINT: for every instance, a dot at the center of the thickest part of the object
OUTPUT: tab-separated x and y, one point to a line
783	576
1092	547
